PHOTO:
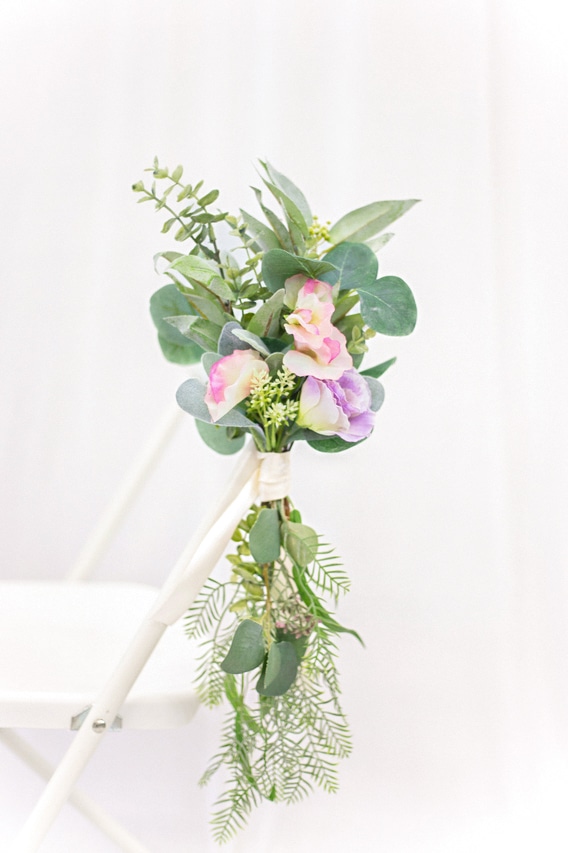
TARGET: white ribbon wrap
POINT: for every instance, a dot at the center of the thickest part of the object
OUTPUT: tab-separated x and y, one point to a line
274	476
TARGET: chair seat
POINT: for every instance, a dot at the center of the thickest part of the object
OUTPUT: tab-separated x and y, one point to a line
60	642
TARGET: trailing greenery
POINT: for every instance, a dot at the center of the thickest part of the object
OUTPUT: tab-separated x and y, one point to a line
267	651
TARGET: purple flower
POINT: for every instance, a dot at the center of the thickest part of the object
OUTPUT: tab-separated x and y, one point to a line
337	407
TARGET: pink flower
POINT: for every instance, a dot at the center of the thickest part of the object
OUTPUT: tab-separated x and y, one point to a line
319	348
341	407
230	380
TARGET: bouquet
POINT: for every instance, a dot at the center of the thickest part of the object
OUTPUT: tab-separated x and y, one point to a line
280	323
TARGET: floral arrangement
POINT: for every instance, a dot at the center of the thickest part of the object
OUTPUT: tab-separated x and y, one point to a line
280	323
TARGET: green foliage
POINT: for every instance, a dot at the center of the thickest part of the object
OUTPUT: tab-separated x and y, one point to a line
378	369
362	224
388	306
355	263
278	265
264	537
224	440
247	648
269	651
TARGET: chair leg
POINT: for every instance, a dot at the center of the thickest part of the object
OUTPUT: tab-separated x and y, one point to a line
88	807
88	738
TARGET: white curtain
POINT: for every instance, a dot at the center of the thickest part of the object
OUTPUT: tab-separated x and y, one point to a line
451	519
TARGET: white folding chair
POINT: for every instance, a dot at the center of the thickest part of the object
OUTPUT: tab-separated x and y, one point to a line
71	652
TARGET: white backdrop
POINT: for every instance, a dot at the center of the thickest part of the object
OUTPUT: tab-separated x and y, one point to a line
450	519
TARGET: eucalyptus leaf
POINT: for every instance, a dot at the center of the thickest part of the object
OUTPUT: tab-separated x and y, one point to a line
218	438
293	215
166	256
275	223
195	268
228	342
247	648
280	670
356	265
274	362
266	321
190	397
220	288
264	236
251	339
361	224
378	369
208	359
377	393
388	306
264	538
168	302
300	542
205	333
186	353
175	346
333	444
278	265
377	243
208	309
290	190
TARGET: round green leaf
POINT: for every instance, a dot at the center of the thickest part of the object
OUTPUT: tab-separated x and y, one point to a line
388	306
247	648
217	438
264	539
280	671
356	266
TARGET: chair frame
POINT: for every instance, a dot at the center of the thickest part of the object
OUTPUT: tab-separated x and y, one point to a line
177	593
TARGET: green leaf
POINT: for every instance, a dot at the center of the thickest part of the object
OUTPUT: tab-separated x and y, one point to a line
264	236
356	265
208	309
278	265
175	346
218	438
293	216
343	306
377	393
220	288
280	671
195	268
378	369
300	542
264	538
208	359
361	224
252	340
211	196
333	444
177	173
377	243
190	397
388	306
186	353
316	607
277	226
247	649
169	302
202	332
266	321
228	342
290	190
